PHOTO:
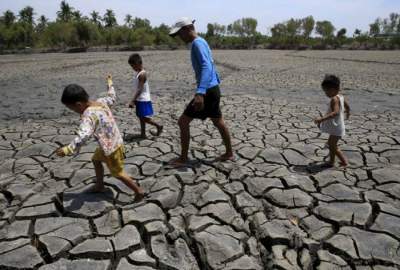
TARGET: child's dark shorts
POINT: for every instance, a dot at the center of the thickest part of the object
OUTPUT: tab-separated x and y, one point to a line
211	105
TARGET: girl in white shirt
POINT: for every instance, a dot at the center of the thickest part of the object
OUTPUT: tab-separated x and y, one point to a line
333	121
141	98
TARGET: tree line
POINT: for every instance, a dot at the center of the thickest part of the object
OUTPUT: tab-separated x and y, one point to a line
305	33
72	29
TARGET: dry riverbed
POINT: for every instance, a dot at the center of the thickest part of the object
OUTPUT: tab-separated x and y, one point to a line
273	208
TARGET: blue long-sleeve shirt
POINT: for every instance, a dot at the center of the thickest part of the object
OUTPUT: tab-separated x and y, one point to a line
203	65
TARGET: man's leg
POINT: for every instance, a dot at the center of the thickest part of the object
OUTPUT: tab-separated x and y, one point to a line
223	130
99	170
184	127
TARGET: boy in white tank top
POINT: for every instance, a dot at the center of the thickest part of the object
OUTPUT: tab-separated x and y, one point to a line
141	97
333	121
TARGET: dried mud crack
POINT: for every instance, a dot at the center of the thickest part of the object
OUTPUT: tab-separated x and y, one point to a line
273	208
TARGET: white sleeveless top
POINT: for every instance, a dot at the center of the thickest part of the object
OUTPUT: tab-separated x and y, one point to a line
335	126
145	95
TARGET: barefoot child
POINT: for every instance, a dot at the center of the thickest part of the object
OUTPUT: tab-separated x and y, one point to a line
98	121
141	98
333	121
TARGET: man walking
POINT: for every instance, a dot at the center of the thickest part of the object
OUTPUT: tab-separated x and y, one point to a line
205	103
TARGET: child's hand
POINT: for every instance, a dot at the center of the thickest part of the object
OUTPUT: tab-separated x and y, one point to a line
318	121
109	80
60	152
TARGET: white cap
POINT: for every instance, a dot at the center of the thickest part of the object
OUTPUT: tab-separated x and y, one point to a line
182	22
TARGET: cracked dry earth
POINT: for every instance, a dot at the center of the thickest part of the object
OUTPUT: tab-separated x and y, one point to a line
273	208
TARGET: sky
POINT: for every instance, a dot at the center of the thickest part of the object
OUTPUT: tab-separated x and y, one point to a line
350	14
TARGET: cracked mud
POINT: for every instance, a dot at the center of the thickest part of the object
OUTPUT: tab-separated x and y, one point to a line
273	208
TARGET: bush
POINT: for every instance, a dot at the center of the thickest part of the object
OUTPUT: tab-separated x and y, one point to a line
141	37
60	35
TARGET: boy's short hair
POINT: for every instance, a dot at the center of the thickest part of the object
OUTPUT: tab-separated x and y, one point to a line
135	59
74	93
331	81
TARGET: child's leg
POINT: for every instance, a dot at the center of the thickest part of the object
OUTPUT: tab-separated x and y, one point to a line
130	183
335	151
150	121
99	170
115	163
142	127
332	144
339	154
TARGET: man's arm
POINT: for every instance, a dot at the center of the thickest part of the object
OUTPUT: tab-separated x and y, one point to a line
206	67
85	131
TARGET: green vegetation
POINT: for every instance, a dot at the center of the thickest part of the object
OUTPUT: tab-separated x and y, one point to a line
72	29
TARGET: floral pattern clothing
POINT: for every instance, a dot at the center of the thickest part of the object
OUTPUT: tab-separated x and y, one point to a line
98	121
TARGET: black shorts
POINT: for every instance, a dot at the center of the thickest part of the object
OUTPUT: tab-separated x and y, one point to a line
211	105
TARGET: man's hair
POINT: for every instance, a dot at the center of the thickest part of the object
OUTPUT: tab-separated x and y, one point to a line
135	59
74	93
331	81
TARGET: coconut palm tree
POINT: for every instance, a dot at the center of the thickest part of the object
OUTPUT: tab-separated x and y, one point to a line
77	15
8	18
128	20
95	18
26	15
109	18
65	13
42	23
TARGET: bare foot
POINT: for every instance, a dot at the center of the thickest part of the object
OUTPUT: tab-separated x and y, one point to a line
139	197
159	131
226	157
178	162
343	165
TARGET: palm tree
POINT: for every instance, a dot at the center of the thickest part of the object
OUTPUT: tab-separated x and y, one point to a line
128	20
42	23
26	19
8	18
77	15
109	18
26	15
95	18
65	12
